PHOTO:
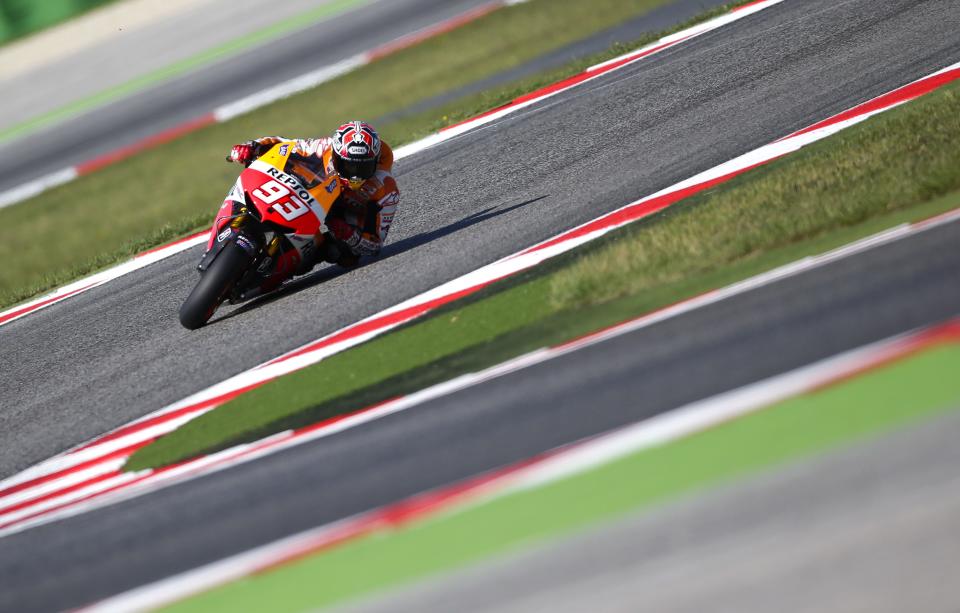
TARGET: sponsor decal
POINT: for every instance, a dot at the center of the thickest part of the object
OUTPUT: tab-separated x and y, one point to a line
247	244
390	199
236	192
304	244
357	149
293	183
332	185
284	149
307	248
223	235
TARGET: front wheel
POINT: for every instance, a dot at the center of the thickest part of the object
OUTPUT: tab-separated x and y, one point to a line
214	286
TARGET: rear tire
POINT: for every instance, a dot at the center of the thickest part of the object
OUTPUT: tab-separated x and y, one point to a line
213	286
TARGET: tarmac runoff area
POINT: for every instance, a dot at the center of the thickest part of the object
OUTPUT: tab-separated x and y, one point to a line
124	41
868	528
121	50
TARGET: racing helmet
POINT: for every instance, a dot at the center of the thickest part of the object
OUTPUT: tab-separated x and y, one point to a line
356	151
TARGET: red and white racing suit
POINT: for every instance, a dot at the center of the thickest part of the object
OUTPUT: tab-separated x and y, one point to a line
360	218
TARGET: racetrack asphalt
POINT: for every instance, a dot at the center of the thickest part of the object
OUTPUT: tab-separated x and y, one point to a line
117	352
136	41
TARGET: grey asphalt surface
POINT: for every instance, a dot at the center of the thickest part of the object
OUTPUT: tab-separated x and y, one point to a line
133	40
170	103
871	528
96	361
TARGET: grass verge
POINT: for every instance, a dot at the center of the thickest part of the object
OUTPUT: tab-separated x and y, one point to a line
903	158
796	206
907	391
178	185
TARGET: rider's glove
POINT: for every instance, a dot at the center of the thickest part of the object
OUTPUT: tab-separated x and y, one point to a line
244	153
359	243
370	187
368	244
343	231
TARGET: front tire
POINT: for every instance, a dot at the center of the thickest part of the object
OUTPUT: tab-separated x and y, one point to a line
214	286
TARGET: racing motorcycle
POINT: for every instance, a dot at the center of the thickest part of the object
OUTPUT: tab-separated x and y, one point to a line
269	229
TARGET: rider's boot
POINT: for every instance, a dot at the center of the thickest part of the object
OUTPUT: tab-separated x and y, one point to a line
287	265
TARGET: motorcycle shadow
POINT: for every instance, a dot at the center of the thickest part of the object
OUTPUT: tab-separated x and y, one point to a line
333	271
417	240
293	286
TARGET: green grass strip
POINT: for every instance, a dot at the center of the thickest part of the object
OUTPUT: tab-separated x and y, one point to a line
25	18
403	362
321	13
899	159
797	206
898	394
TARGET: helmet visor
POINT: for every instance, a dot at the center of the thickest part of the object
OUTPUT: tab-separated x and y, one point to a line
353	168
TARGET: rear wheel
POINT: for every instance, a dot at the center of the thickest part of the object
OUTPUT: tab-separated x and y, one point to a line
213	286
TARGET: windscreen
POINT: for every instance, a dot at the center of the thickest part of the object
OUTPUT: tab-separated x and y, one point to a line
307	168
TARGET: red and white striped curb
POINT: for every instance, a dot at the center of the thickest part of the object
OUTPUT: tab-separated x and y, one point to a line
89	476
401	152
558	464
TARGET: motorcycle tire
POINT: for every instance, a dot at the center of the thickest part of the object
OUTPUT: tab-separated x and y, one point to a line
214	286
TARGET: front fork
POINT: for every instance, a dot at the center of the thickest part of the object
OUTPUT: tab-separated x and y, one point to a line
229	229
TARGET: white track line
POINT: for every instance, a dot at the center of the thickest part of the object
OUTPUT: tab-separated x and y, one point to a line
37	186
289	88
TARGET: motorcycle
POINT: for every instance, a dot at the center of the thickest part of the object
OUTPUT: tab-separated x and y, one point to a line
270	227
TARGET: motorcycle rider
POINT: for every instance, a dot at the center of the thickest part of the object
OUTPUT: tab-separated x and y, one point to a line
361	217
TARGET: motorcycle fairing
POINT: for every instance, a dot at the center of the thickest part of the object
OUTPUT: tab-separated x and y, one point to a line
291	195
214	248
